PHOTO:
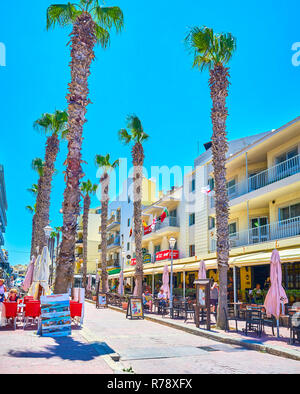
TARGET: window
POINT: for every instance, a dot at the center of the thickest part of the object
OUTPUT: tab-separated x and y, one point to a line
156	248
192	250
286	155
211	183
211	222
193	185
289	212
232	229
230	187
128	199
192	219
128	222
128	246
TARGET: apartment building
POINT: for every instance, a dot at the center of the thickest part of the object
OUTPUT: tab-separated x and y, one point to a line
263	183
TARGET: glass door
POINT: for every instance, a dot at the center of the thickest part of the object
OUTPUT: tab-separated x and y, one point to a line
259	230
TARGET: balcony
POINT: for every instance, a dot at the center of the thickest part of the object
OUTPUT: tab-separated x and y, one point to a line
113	263
270	232
113	242
267	177
168	222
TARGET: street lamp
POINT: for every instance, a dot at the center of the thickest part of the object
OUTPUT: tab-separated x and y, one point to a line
48	230
172	242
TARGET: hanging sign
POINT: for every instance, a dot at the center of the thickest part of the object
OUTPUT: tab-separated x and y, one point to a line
166	255
55	315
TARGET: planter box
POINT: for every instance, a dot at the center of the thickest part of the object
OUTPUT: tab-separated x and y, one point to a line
94	298
124	305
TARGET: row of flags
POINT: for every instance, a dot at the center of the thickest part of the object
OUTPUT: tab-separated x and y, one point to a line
161	219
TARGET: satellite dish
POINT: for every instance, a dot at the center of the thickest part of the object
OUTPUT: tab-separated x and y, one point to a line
128	257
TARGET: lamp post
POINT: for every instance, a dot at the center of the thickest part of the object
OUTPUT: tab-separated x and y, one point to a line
48	230
172	242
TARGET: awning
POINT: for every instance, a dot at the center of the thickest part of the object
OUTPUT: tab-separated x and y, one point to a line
286	255
209	264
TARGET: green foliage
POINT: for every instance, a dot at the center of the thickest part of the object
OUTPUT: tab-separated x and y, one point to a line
209	48
105	18
37	165
105	163
136	132
88	188
53	123
33	189
31	209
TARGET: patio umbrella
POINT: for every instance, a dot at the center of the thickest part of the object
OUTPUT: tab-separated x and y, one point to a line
165	286
121	284
29	275
41	275
202	270
276	295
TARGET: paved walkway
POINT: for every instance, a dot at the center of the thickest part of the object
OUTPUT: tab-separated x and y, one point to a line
143	346
149	347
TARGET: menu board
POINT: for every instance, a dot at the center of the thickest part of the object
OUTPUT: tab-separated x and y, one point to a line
102	301
55	314
135	308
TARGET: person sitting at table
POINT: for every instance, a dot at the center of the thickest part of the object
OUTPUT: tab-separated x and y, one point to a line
2	290
162	298
214	295
147	299
256	294
13	295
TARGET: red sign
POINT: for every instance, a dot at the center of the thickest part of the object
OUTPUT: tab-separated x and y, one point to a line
133	262
166	255
147	230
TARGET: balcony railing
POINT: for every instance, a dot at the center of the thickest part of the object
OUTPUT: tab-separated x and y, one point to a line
113	241
277	230
113	263
168	222
263	178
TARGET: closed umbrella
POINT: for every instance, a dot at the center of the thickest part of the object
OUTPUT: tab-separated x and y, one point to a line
29	275
41	275
165	286
276	295
202	270
121	284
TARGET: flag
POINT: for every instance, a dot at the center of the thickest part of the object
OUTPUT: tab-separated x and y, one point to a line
164	215
130	232
205	189
153	222
144	223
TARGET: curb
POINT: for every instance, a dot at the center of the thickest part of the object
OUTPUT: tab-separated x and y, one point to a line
273	350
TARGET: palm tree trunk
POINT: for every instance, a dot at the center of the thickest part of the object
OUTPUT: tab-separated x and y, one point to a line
35	231
104	208
85	220
219	91
33	251
138	160
43	204
83	41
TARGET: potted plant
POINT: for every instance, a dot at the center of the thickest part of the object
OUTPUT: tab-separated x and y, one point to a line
125	302
94	295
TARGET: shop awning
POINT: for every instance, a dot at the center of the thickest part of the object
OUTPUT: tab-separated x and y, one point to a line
286	255
209	264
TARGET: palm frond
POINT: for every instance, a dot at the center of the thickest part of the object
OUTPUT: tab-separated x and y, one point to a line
37	165
61	14
30	208
109	17
124	136
53	123
88	187
33	189
103	36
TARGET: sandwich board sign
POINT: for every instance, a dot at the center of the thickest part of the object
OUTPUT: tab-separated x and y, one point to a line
55	315
135	308
101	301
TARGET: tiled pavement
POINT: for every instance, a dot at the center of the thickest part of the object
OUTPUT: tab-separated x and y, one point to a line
145	346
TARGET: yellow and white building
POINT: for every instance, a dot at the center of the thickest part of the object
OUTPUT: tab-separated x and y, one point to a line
263	181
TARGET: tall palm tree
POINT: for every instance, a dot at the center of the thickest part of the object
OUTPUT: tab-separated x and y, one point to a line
213	52
91	23
54	126
136	136
104	163
87	189
38	166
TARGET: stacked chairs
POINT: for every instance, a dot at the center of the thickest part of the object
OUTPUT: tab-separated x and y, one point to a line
75	309
11	310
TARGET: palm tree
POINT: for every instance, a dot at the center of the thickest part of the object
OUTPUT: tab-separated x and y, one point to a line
212	52
87	189
136	136
105	164
38	166
53	125
91	24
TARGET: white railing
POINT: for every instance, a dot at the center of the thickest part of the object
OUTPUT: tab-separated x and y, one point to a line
277	230
169	221
263	178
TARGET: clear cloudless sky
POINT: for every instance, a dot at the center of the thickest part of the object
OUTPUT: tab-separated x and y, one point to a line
146	71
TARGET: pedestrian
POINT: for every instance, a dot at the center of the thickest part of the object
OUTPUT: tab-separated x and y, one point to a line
2	290
13	295
214	295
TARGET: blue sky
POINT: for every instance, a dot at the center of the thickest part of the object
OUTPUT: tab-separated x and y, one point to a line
146	71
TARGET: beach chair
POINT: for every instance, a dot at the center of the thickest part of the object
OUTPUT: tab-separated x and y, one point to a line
11	309
75	310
